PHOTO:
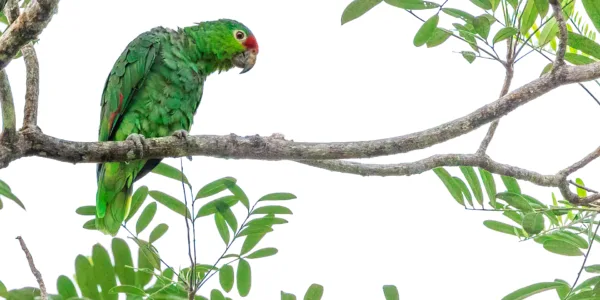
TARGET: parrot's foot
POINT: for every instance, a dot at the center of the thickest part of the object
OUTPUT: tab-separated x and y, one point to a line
182	134
139	141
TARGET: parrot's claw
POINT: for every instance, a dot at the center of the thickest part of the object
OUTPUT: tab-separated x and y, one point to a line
181	134
139	141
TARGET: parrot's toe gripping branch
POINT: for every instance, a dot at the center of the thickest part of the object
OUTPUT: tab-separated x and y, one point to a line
182	134
139	141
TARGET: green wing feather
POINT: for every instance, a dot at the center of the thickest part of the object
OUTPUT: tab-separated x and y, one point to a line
126	77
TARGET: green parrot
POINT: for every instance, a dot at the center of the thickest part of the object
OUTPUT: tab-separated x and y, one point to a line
154	90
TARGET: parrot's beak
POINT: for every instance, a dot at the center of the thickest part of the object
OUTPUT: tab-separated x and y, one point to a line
245	60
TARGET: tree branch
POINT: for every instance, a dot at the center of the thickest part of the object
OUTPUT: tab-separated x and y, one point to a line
33	86
25	28
34	270
9	122
562	33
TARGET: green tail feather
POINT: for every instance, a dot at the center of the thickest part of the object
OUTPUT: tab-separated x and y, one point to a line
112	207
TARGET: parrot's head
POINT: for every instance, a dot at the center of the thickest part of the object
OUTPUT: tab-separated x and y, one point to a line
229	41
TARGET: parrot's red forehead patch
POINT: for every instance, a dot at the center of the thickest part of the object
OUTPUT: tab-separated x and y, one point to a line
251	43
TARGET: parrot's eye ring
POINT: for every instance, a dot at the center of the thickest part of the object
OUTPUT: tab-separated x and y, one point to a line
240	35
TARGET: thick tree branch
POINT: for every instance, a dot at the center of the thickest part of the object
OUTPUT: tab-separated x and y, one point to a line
25	28
33	86
34	270
34	143
9	122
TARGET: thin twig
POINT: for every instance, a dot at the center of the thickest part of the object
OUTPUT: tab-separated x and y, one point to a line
584	260
192	284
34	270
582	187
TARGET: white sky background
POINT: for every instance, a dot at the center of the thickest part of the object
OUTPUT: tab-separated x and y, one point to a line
314	81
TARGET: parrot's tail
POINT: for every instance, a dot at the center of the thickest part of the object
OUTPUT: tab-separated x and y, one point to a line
112	208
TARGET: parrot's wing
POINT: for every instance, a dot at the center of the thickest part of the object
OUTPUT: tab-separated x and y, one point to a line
126	76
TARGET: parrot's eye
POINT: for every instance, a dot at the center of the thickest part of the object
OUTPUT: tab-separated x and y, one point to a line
240	35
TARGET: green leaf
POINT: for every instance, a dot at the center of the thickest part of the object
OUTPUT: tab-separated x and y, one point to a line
578	59
548	33
272	209
237	191
266	221
149	252
450	184
516	216
571	238
216	295
511	184
562	291
146	217
255	230
528	17
533	223
515	200
469	56
89	210
533	289
287	296
221	203
244	277
482	26
158	232
580	192
314	292
226	278
500	227
593	269
230	219
6	192
562	248
264	252
250	242
457	13
90	224
439	36
170	172
357	8
128	289
137	200
513	3
464	189
222	228
104	271
426	31
592	7
412	4
277	197
123	262
216	187
484	4
64	285
542	7
4	291
473	181
583	44
495	4
504	34
171	203
391	292
85	278
547	69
